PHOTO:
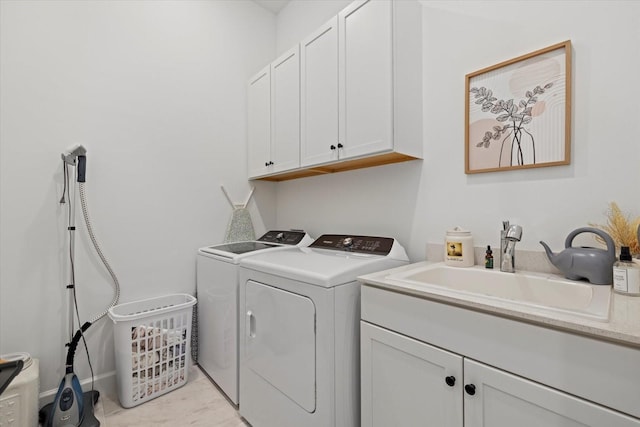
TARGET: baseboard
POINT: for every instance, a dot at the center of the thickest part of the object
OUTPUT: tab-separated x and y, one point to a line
104	383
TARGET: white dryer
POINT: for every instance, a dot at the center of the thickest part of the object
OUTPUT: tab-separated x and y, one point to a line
300	336
217	287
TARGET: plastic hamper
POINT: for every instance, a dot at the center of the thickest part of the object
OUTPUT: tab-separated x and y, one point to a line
152	340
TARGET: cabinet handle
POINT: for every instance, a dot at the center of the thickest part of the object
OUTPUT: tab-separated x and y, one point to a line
450	380
266	163
270	163
470	389
333	147
340	145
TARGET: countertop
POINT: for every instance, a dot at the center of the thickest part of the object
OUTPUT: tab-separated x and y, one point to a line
624	318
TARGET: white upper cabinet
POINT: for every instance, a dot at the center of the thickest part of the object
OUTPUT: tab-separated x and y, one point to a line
285	108
259	118
274	117
360	83
319	95
366	78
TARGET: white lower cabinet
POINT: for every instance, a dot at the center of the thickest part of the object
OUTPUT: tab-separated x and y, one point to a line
403	381
406	382
494	398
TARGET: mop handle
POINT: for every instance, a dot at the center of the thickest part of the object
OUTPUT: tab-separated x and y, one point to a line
227	195
249	198
233	205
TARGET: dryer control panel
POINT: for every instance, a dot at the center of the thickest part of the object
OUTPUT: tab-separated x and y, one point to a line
361	244
290	237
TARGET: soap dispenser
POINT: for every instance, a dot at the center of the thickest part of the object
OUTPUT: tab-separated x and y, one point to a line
626	274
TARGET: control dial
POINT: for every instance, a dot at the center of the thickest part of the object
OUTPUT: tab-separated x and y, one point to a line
280	237
347	242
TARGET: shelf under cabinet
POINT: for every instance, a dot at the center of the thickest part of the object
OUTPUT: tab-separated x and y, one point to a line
340	166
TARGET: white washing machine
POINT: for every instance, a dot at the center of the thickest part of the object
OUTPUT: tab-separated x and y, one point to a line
217	287
300	336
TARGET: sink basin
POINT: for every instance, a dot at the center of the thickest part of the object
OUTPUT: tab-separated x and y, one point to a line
540	291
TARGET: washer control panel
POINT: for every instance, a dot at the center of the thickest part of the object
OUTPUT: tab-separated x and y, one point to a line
290	237
361	244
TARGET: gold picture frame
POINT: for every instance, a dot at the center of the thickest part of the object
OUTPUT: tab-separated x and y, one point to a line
518	112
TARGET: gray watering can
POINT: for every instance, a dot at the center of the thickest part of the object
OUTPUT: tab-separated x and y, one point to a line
593	264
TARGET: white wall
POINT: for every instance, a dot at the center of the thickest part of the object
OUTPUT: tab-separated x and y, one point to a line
156	91
301	17
419	200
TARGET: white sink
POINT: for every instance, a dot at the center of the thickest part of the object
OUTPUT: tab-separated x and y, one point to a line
534	290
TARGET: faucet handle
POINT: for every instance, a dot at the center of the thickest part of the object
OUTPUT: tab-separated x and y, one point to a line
514	233
505	225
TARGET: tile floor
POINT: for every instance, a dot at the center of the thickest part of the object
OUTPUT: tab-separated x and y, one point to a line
197	403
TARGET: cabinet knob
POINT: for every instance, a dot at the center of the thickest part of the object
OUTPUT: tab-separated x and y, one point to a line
450	380
266	163
340	145
470	389
333	147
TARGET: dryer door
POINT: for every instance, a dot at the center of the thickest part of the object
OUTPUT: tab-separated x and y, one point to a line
280	341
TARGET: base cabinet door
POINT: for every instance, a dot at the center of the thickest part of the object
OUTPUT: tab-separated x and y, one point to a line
494	398
405	382
408	383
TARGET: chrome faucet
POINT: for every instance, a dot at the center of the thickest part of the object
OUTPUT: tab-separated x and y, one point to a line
509	236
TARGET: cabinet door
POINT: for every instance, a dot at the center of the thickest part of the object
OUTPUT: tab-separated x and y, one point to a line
404	381
505	400
285	107
319	95
259	123
366	78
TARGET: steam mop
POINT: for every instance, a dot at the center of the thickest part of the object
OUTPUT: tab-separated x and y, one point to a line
71	406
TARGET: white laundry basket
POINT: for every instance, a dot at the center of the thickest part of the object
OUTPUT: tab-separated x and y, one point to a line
152	346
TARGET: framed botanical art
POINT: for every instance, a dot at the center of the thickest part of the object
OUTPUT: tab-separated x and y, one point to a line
518	112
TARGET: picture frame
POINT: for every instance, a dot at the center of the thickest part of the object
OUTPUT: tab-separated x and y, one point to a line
518	112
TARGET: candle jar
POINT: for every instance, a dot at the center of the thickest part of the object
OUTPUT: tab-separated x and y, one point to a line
458	248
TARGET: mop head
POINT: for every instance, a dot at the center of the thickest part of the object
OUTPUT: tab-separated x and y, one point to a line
240	227
88	418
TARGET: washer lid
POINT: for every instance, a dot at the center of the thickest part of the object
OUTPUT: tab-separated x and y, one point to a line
321	267
233	251
237	248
